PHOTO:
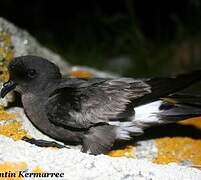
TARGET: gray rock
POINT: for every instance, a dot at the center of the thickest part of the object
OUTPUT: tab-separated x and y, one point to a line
79	166
119	65
25	44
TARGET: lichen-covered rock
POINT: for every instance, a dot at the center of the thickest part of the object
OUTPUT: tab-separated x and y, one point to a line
6	55
15	125
19	156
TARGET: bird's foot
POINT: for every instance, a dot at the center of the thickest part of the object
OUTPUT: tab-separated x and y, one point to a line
43	143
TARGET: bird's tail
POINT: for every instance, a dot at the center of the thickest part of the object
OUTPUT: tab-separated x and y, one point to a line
175	107
173	110
162	87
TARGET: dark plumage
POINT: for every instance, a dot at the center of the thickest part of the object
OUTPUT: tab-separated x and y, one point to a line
93	112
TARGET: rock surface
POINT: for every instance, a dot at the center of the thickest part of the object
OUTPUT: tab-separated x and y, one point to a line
76	165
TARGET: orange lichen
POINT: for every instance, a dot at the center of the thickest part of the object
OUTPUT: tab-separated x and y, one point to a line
193	121
178	149
5	38
4	75
127	152
80	74
37	169
6	55
5	49
13	130
175	149
12	168
6	116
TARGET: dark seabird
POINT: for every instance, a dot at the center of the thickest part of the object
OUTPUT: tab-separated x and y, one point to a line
95	112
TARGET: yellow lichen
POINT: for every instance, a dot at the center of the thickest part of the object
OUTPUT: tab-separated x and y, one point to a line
4	75
5	37
178	149
11	167
13	130
127	152
37	169
193	121
6	116
175	149
6	55
80	74
10	170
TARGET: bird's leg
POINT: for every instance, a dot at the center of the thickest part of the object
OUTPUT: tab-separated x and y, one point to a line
43	143
99	139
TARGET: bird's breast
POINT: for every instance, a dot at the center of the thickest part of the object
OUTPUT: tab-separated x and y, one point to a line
34	109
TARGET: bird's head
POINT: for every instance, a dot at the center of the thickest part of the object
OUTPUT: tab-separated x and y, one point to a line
30	74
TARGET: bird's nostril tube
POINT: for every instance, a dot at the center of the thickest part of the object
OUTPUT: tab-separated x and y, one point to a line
6	83
7	87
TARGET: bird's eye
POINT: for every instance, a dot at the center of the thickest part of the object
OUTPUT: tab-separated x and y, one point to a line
31	73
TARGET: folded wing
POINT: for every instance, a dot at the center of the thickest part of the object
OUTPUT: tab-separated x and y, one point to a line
91	102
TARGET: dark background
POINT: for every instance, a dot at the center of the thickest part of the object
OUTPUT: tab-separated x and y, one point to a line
132	38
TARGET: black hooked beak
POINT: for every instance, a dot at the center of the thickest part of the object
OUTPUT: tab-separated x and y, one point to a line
7	87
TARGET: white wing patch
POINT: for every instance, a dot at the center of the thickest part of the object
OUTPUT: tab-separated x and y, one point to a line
144	115
147	112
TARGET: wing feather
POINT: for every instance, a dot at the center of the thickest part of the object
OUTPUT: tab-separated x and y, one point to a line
98	102
79	103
